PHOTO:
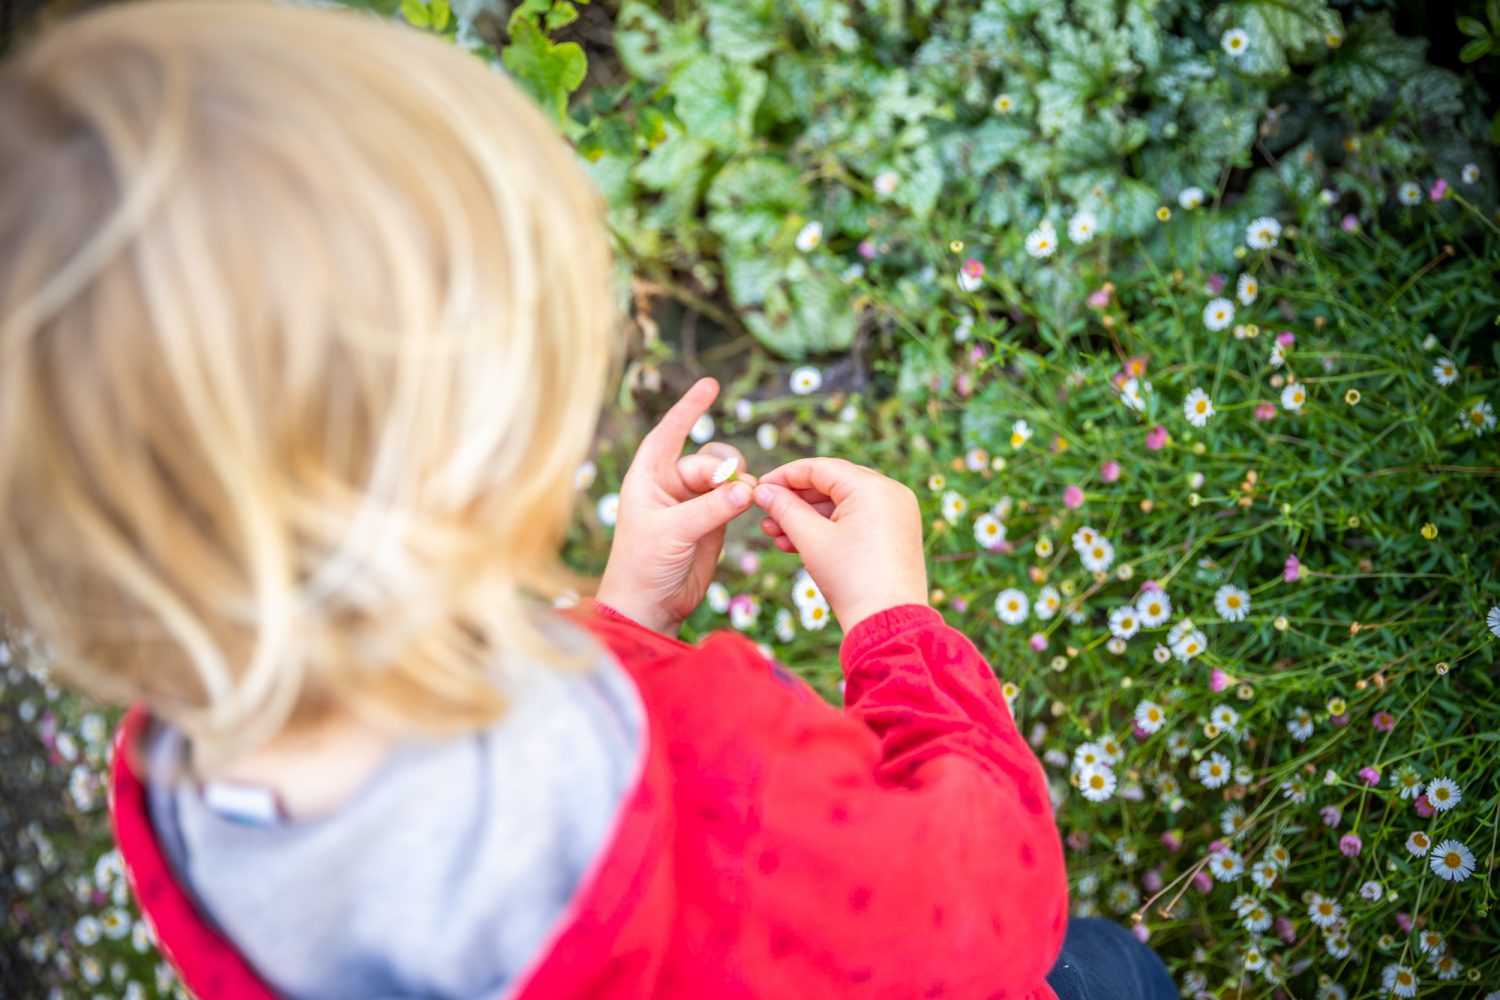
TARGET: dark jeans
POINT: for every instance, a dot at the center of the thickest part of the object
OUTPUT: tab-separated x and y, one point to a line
1101	960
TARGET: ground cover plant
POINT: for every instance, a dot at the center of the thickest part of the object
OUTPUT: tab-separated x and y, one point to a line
1181	320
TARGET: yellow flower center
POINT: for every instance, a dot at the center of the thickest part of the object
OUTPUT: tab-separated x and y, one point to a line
1096	781
1201	405
1233	601
1013	606
1453	860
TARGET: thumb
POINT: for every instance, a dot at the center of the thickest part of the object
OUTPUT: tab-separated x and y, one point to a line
797	518
695	518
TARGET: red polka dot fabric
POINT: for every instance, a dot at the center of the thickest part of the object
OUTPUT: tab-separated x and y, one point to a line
775	845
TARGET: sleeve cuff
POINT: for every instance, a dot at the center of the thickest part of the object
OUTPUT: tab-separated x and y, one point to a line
598	607
885	625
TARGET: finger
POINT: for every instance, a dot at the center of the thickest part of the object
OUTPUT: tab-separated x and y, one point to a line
697	472
770	527
660	448
785	544
800	522
696	518
836	478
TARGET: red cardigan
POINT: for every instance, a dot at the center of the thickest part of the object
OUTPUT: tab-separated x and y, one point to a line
772	846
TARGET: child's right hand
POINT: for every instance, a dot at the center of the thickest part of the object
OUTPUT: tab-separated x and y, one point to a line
859	533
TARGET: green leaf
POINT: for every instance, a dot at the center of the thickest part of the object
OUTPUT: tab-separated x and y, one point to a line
811	315
546	70
1477	49
442	15
415	13
716	100
1473	28
650	46
743	30
561	15
672	161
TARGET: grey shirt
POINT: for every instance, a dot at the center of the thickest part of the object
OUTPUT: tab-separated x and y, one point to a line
444	875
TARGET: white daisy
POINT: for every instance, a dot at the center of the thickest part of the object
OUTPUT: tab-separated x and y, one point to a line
1278	855
1111	749
806	379
1083	538
1081	227
1446	966
1231	603
1225	718
1088	755
1262	233
1480	417
1003	103
1409	193
1372	891
1264	874
886	182
1431	943
1419	843
1323	911
725	471
1444	794
1278	356
609	508
815	615
1470	173
1198	407
1096	782
1048	601
954	505
718	597
1218	314
1256	918
1020	433
786	625
702	430
1445	371
1226	865
1098	556
743	612
810	236
1338	946
1255	959
805	590
1011	605
767	436
1190	645
1124	621
1300	725
1133	393
1155	607
1178	744
1408	781
971	275
1235	41
988	531
1042	241
1493	620
1190	198
1213	770
1400	980
1328	197
584	477
1293	396
1150	716
1247	289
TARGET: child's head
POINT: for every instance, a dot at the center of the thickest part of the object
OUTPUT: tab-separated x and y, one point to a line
305	319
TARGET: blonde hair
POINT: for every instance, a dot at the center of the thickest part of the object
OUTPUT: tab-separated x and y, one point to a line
305	322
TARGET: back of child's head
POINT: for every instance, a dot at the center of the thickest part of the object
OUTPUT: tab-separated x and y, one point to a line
305	319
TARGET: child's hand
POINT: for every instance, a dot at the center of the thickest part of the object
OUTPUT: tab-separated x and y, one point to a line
859	533
670	527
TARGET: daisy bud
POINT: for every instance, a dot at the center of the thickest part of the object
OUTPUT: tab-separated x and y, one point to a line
1429	531
1369	776
1350	845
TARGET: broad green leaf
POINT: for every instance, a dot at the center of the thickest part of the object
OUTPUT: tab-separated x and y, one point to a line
716	100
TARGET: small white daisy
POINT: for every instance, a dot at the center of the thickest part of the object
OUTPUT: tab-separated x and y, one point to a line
743	611
954	505
1446	966
1323	911
1150	716
1048	601
1278	855
1133	393
1098	557
1012	606
1096	782
584	477
1042	241
1444	794
1293	396
1372	891
1190	645
1264	874
1155	607
1445	371
1256	918
805	590
1226	865
1409	193
767	436
1300	725
886	182
609	508
1430	942
1278	356
1419	844
815	615
1407	781
1124	622
1247	289
1213	770
1262	233
971	275
786	625
725	471
1218	314
1198	407
1480	417
1178	744
1400	980
1081	227
1231	603
1160	653
702	430
1470	173
988	531
1190	198
806	379
1235	41
1003	104
810	236
1328	197
1493	620
1088	755
1020	433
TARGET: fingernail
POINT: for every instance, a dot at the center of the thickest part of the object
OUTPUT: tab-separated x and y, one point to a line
739	495
763	495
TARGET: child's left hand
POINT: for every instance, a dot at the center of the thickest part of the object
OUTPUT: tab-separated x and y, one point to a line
670	527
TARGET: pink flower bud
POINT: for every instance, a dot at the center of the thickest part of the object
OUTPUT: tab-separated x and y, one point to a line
977	353
1141	931
1286	931
1339	720
1293	569
1369	776
1423	806
1350	223
1099	299
1156	438
1438	190
964	385
959	604
1171	841
1403	921
1383	721
1038	642
749	563
1216	845
973	268
1331	815
1109	471
1072	497
1350	845
1202	882
1218	680
1215	283
1150	585
867	249
1152	880
1265	411
1286	338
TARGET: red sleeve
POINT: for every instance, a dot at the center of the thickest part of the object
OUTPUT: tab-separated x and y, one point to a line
909	844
